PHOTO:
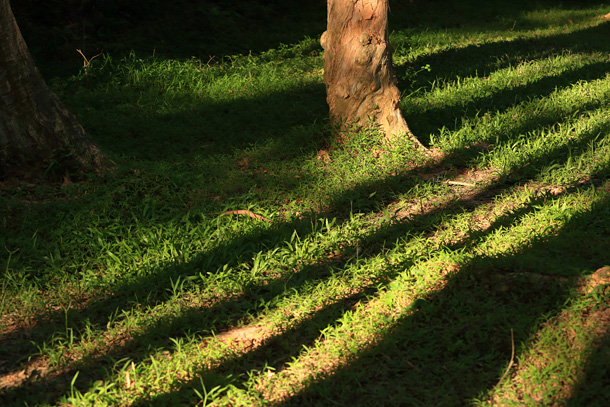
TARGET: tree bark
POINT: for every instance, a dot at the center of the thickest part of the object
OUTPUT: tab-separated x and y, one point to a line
360	81
36	130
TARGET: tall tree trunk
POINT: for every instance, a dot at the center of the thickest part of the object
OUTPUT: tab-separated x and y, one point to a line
36	130
360	80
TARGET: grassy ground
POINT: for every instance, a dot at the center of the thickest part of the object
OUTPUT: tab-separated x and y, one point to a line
238	256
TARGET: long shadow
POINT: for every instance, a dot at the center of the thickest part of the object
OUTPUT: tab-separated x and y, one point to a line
269	355
422	224
201	127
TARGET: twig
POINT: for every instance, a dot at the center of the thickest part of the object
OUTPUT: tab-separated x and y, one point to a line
465	184
87	62
248	213
512	356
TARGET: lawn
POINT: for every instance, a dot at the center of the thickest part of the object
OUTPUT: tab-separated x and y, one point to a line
240	255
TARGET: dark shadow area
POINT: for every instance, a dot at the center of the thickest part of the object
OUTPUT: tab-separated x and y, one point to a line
448	323
54	29
471	16
203	127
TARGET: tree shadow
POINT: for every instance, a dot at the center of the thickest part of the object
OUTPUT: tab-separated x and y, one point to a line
450	320
197	128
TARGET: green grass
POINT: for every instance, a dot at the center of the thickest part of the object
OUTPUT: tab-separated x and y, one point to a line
380	277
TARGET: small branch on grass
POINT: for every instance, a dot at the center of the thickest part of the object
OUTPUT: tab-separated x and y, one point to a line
464	184
512	356
248	213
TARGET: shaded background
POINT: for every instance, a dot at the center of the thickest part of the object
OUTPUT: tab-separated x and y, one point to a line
179	29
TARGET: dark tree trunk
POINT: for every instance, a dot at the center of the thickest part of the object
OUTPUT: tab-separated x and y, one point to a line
360	81
36	130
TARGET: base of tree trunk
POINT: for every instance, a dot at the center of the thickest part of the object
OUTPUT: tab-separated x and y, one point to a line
38	135
360	81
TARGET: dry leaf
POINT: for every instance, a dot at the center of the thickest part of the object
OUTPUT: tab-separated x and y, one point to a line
323	156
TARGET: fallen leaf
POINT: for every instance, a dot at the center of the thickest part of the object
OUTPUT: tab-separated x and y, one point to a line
323	156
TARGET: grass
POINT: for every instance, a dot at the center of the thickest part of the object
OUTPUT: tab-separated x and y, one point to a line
378	277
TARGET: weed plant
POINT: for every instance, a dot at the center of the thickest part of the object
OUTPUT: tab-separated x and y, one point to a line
241	253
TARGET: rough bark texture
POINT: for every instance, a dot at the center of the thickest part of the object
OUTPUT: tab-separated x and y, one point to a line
36	130
360	81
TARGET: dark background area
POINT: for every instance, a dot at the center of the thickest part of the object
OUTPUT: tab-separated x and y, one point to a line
54	29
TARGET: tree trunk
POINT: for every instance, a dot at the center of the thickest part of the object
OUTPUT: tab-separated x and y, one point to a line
36	130
360	80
